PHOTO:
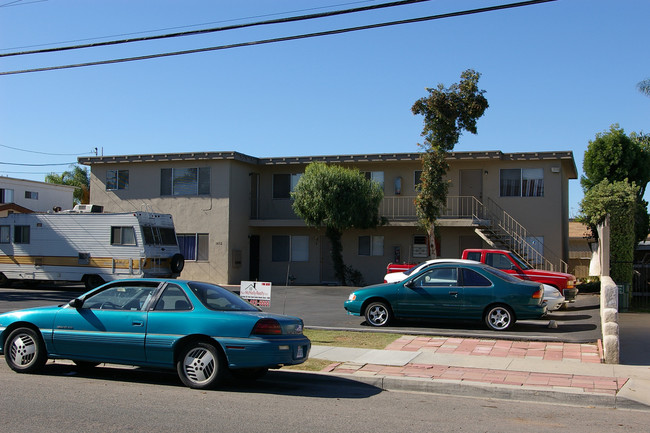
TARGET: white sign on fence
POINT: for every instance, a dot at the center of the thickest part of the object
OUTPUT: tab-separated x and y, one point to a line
256	292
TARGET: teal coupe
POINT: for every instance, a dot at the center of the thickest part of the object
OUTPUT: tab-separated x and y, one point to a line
201	330
450	290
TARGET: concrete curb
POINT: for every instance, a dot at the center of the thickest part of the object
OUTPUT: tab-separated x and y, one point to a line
464	388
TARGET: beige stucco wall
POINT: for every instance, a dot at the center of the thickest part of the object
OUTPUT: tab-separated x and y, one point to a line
225	213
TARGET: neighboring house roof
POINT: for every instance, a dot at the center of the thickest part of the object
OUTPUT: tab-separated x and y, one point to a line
16	208
566	156
35	183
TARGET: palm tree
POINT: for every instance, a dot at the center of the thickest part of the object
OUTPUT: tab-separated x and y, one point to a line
78	178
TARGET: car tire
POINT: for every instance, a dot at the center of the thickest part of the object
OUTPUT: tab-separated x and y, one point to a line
200	365
499	318
25	351
378	314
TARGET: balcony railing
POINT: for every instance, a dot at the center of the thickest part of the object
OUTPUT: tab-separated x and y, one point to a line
402	208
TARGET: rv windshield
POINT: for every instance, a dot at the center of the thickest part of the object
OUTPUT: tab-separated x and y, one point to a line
158	235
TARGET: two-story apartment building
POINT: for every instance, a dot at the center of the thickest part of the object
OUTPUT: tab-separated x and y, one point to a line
22	195
234	219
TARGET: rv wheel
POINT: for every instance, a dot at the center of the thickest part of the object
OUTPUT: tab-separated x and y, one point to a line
4	281
93	281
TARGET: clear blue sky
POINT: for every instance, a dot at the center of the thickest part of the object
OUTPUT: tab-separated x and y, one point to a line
554	74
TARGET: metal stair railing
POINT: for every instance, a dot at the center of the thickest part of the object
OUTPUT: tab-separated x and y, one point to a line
521	240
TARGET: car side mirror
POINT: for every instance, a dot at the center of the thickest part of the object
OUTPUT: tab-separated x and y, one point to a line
409	284
76	303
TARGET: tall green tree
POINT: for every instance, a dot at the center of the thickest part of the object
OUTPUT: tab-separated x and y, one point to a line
447	113
618	200
77	177
338	199
615	157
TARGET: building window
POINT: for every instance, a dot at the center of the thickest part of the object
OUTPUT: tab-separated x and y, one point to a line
6	195
31	195
117	179
122	236
375	176
290	248
5	236
185	181
526	182
371	245
283	184
195	246
21	234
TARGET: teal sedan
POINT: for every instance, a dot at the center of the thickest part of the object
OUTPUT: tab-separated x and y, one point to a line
448	290
201	330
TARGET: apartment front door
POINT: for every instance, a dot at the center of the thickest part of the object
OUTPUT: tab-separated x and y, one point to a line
327	274
471	185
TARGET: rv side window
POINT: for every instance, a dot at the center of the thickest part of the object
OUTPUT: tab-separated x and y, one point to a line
122	236
21	234
4	235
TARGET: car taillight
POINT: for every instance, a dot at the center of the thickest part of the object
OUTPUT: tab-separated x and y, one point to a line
539	293
267	327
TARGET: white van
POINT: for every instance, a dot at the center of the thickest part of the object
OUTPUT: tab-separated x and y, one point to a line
87	246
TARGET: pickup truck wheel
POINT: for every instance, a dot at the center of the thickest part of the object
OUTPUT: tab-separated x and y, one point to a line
378	314
499	318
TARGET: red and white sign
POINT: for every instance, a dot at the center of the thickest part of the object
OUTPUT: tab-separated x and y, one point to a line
256	292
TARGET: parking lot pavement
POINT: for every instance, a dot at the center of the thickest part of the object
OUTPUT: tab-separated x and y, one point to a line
322	307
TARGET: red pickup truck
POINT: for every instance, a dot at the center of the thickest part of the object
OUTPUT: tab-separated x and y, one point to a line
508	262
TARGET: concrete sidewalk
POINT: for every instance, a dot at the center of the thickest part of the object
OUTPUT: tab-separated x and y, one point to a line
566	373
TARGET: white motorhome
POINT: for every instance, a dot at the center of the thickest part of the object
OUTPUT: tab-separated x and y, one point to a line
87	246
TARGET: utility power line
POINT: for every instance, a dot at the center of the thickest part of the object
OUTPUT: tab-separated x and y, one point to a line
186	26
46	153
283	39
217	29
36	165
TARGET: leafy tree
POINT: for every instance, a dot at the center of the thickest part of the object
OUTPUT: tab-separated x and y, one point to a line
78	178
644	86
614	156
447	113
618	200
338	199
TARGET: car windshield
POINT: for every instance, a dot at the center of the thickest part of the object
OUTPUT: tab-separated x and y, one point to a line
503	275
219	299
521	264
413	269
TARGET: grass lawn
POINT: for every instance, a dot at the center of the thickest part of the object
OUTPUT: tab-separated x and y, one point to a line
363	340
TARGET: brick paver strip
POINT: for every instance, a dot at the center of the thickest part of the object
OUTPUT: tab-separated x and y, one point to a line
500	348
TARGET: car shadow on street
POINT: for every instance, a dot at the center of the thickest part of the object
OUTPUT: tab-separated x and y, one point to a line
275	382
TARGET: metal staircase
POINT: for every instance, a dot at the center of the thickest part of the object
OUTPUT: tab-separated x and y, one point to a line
500	230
